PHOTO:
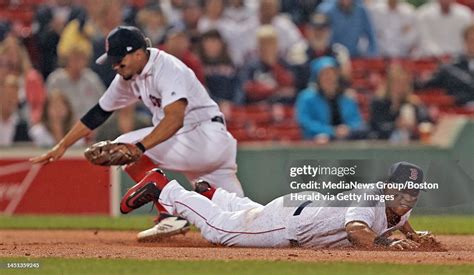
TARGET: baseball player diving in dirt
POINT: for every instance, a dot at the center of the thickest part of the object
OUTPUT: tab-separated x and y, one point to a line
224	218
189	133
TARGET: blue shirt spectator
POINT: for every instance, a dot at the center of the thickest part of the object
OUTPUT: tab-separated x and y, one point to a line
326	112
350	23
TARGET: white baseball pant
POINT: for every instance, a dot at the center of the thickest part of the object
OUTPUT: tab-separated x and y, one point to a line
201	151
228	219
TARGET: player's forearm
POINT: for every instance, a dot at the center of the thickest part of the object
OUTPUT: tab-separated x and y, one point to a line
406	229
360	235
78	131
167	127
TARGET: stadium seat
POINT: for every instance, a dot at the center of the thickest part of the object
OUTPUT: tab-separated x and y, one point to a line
464	111
432	92
285	132
425	66
368	65
437	100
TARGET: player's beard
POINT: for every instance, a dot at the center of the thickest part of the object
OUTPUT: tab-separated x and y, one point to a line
127	77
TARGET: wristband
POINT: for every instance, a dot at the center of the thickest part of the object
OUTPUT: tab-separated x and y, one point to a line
382	241
140	146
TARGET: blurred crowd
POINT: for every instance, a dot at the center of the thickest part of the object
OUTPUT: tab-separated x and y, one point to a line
277	53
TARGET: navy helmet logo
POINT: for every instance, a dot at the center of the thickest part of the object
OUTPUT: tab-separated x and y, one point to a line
413	174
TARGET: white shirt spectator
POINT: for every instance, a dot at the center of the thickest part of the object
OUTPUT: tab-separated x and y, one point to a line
42	137
173	15
8	130
395	28
241	37
83	93
442	33
288	33
239	14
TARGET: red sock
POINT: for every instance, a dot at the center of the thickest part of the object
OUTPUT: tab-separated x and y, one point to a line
139	168
209	193
160	208
137	172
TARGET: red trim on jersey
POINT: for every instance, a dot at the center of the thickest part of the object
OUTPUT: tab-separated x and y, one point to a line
169	205
226	231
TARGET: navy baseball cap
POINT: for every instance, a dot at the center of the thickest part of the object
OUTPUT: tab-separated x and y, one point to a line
402	172
120	42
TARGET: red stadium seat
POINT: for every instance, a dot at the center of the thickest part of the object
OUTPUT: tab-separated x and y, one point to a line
240	134
424	66
464	111
363	68
253	114
363	100
432	92
437	100
285	132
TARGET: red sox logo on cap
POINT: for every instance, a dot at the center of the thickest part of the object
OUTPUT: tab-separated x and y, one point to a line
413	174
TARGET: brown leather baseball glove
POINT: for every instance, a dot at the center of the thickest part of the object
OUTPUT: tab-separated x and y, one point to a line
107	153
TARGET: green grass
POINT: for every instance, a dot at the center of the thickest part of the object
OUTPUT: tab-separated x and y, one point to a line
452	225
109	266
76	222
458	225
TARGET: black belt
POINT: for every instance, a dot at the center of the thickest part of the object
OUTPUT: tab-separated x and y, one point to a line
218	119
301	207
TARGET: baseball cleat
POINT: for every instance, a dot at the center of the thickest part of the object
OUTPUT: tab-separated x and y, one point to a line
167	227
147	190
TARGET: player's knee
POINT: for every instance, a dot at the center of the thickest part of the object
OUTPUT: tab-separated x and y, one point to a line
213	235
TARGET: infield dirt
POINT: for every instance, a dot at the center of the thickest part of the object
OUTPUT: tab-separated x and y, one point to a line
122	244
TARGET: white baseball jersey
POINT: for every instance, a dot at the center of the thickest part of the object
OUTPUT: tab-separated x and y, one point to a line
164	80
321	226
201	148
234	221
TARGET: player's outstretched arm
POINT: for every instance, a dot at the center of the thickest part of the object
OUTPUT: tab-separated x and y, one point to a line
78	131
407	229
360	235
425	238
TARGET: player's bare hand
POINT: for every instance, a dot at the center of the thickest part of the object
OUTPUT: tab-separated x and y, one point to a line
417	236
404	245
426	240
54	154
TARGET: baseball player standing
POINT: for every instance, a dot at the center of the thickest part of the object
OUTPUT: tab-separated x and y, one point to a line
189	135
224	218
